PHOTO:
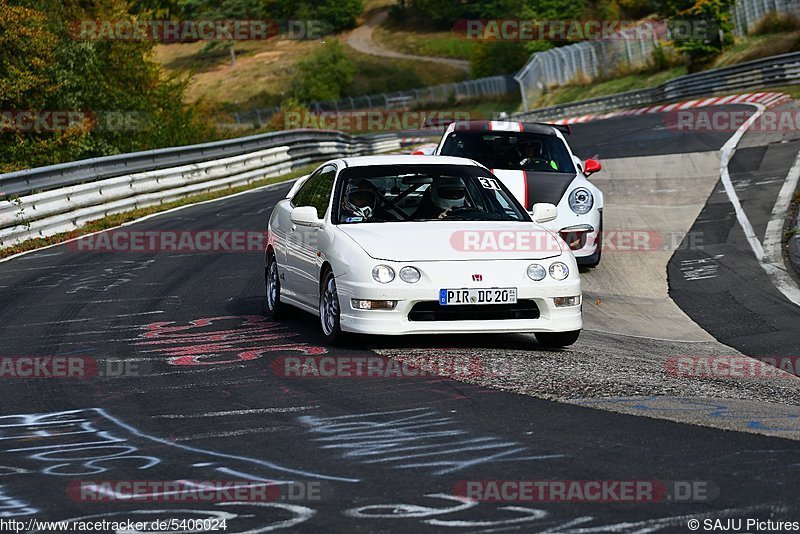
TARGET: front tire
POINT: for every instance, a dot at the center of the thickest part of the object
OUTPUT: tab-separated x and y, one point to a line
273	307
329	309
557	339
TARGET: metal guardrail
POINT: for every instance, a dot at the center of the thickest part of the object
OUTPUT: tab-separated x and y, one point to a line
60	198
761	73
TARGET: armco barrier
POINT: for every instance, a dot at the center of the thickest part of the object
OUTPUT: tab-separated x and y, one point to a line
60	198
762	73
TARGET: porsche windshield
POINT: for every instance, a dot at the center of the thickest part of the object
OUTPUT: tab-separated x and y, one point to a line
396	193
523	151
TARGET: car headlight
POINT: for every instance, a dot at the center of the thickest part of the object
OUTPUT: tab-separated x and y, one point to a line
581	200
383	274
558	270
536	272
409	274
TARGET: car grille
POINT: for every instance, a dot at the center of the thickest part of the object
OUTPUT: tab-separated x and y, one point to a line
433	311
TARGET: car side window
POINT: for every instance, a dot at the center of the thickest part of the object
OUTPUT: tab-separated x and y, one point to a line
322	192
306	191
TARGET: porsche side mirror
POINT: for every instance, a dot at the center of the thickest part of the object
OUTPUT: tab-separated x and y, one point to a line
306	216
591	166
543	212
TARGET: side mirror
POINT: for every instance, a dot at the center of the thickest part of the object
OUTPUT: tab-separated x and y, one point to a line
306	216
543	212
591	166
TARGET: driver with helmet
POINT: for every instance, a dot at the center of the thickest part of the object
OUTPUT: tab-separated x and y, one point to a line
445	193
533	153
359	203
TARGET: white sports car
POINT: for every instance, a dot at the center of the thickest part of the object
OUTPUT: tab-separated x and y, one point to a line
536	164
403	245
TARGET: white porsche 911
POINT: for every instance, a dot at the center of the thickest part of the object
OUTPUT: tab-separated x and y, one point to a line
536	164
400	245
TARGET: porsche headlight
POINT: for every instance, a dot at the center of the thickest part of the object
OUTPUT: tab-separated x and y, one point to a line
536	272
558	270
383	274
581	200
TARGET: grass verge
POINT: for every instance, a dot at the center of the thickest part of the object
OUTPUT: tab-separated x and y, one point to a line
435	44
120	218
572	93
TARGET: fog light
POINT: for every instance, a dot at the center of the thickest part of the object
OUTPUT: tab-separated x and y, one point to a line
563	302
575	236
359	304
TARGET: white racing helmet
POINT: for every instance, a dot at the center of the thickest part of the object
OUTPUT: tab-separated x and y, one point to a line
359	200
448	192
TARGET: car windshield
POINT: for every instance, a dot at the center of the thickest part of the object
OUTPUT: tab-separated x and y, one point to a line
397	193
523	151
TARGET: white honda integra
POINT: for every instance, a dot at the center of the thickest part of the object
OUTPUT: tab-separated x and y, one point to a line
400	245
536	164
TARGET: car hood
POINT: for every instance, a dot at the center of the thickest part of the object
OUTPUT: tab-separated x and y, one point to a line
453	241
542	186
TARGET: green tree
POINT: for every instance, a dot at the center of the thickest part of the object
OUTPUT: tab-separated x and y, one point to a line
338	15
46	66
324	74
498	57
712	29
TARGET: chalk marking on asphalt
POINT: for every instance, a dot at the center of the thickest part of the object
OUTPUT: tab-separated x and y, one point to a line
773	266
136	432
136	221
98	319
233	433
235	412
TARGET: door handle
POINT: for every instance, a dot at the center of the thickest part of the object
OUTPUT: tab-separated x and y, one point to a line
294	227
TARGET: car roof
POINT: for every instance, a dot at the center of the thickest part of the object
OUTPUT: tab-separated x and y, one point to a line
509	126
367	161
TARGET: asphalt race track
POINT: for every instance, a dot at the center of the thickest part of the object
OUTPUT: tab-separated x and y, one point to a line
197	393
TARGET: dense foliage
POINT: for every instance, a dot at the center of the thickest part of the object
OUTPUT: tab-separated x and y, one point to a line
126	102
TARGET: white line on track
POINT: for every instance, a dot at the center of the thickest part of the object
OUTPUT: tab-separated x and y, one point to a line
771	260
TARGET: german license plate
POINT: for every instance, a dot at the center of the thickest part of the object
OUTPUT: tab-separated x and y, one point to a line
495	295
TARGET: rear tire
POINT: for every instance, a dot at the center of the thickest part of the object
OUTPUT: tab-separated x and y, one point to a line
273	307
329	309
557	339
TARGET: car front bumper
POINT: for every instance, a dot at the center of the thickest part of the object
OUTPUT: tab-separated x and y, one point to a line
458	275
